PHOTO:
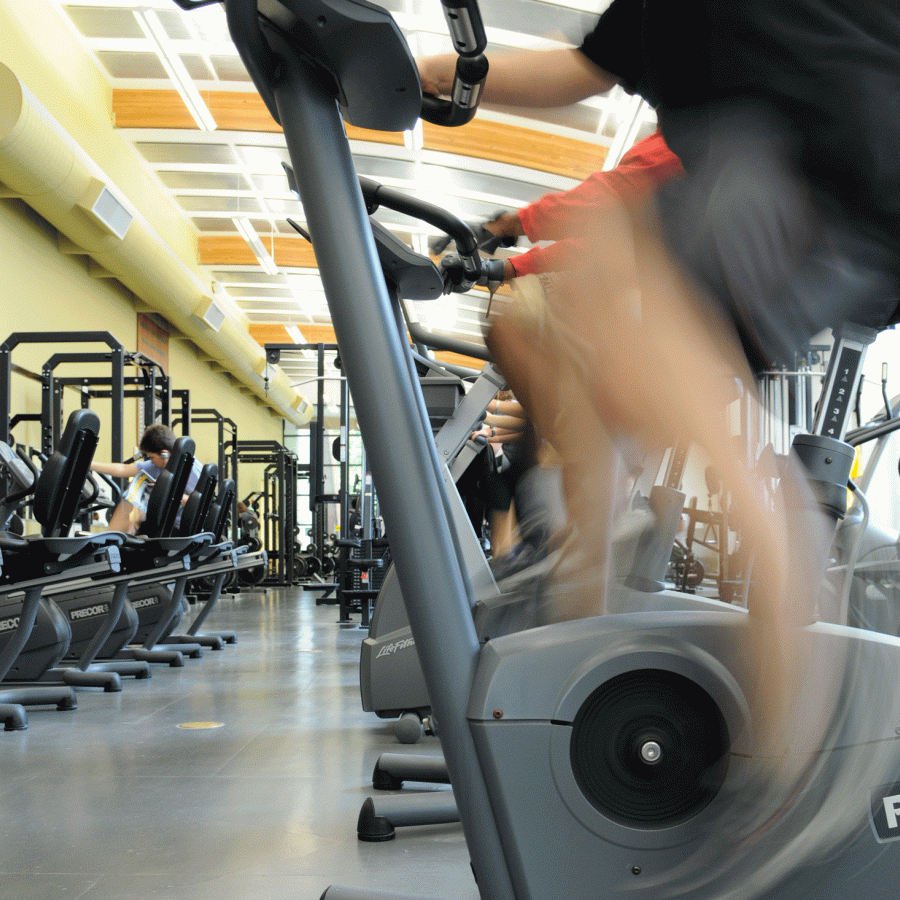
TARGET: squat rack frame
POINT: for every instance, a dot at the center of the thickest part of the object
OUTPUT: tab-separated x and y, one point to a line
116	357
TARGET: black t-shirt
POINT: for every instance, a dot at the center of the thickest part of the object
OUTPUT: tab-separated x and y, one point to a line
655	49
829	70
688	52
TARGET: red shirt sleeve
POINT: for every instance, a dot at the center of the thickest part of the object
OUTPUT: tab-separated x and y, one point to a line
557	257
567	213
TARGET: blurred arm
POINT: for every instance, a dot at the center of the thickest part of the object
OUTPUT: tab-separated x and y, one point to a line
536	78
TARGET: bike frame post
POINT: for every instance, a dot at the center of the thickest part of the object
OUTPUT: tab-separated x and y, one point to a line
398	439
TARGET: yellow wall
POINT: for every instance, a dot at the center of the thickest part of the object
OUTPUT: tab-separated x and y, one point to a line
75	92
158	257
42	289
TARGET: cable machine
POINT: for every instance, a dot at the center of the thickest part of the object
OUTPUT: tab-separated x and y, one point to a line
317	558
278	499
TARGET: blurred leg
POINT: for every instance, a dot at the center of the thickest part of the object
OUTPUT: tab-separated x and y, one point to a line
630	345
504	535
529	349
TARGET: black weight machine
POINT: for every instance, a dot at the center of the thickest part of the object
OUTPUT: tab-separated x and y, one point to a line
115	357
278	513
315	560
355	557
181	410
364	554
151	387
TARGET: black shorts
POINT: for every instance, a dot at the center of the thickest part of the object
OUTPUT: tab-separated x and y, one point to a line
501	481
781	259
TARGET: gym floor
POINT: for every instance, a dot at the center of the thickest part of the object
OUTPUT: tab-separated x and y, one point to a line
118	800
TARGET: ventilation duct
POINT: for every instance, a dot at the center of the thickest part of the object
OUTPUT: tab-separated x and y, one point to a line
41	164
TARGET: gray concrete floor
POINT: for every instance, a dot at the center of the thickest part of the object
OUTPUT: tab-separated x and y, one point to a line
114	801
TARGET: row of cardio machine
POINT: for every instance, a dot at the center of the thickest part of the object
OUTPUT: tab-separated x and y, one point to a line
864	574
84	610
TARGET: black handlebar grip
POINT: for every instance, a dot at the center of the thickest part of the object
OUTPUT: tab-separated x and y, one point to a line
442	112
468	83
466	28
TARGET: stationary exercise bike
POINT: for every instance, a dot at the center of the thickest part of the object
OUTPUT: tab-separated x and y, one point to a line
391	681
590	759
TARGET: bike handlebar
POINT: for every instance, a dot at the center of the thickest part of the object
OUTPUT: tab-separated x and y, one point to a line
376	195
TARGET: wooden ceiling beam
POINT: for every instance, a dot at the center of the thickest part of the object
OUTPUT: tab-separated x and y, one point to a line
481	139
233	250
517	146
271	333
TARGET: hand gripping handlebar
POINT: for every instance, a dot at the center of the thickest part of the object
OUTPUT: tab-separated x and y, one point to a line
469	41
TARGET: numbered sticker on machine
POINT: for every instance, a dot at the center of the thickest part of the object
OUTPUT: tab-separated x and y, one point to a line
886	813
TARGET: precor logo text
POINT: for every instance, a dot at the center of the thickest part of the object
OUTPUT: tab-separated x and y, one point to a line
87	612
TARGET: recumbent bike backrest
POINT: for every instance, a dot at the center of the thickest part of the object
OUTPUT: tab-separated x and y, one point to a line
196	509
59	486
217	518
165	497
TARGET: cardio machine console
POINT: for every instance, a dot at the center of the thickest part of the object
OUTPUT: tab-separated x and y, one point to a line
361	48
22	476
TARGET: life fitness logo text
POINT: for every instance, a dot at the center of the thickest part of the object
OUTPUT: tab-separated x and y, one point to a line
886	813
389	649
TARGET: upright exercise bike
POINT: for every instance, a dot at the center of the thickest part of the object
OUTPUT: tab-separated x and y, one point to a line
600	758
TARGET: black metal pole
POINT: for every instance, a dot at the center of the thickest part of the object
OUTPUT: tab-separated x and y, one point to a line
389	410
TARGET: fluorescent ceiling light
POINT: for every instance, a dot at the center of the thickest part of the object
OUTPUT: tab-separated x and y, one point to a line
308	281
626	133
413	139
308	292
248	233
155	33
440	314
295	334
264	161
